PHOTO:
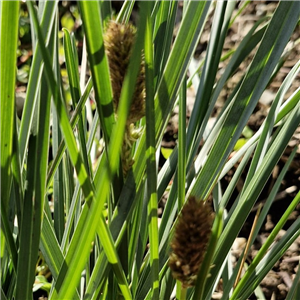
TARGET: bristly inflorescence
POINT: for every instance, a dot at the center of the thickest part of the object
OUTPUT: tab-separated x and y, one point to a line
118	41
190	240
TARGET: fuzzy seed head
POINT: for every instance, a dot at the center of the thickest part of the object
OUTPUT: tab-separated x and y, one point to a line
189	244
118	41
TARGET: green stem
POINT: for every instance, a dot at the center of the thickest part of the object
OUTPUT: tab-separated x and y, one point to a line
182	146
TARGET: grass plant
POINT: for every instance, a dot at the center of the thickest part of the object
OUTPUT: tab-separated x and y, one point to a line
102	239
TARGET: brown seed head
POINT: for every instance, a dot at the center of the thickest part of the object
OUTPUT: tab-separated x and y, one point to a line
189	244
118	41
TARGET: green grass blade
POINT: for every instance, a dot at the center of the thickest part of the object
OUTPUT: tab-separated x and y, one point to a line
71	219
8	48
105	9
18	182
151	161
182	146
237	175
73	75
135	243
163	33
28	247
9	240
50	247
99	65
69	183
58	183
